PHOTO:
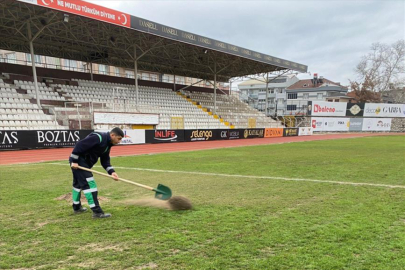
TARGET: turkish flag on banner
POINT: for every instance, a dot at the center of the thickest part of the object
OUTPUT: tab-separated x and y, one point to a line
86	9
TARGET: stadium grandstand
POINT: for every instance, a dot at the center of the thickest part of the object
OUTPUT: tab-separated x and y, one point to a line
43	98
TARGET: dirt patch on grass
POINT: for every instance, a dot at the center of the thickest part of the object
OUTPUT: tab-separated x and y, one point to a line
88	264
150	265
41	224
68	197
267	251
99	247
174	251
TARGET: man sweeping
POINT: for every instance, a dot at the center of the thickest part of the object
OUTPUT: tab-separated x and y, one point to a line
86	153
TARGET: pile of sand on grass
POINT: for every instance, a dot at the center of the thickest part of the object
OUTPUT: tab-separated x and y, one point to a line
180	203
148	202
174	203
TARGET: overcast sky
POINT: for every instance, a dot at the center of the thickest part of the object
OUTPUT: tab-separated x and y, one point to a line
328	36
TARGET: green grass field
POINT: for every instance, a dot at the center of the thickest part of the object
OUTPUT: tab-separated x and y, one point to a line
238	222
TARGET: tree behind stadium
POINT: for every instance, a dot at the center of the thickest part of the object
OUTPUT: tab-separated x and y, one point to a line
381	72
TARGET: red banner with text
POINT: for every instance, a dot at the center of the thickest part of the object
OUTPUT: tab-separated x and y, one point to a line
86	9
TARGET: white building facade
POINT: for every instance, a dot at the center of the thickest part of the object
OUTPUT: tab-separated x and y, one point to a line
287	95
253	92
316	89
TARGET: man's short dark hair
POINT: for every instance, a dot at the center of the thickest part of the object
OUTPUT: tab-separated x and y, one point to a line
117	131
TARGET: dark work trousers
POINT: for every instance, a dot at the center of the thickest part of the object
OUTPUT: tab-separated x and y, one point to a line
84	181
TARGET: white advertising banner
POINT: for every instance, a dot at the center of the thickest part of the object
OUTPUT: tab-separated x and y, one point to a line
131	136
377	124
321	108
317	123
384	110
330	124
352	124
126	118
337	124
305	131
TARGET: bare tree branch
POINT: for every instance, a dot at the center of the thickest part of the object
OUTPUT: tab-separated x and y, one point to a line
383	68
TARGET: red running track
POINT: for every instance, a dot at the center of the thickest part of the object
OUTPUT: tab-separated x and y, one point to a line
41	155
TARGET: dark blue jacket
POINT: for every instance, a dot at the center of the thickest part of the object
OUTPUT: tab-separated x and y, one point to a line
87	151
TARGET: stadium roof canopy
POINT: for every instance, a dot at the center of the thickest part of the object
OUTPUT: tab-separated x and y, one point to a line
78	30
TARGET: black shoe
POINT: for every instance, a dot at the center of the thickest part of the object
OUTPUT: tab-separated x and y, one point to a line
101	215
81	210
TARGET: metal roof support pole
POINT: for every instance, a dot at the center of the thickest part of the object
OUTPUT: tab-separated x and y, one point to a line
136	80
91	71
34	70
215	88
174	82
114	99
189	85
267	93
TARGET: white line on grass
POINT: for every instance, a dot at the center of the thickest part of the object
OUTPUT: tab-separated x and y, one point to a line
255	177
